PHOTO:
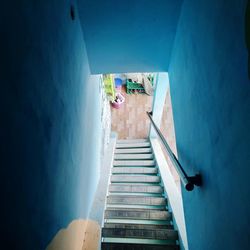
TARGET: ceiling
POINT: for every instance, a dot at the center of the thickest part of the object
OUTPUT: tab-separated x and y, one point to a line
129	36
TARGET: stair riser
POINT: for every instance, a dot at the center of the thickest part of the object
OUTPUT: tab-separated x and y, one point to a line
137	226
140	215
136	200
136	206
136	189
160	234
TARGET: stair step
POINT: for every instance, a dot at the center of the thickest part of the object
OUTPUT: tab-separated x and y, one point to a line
138	194
132	163
133	145
131	141
159	234
133	156
137	226
122	246
140	244
135	200
135	178
137	209
136	222
135	206
135	188
137	214
133	151
134	170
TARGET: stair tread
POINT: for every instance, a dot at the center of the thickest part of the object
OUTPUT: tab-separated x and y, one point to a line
121	246
133	145
135	178
136	222
159	234
133	156
131	140
138	241
136	170
133	163
133	150
136	208
135	188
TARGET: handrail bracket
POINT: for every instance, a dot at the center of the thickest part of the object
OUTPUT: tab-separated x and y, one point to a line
196	180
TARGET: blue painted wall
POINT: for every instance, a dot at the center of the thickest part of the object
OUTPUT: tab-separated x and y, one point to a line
128	36
49	104
210	92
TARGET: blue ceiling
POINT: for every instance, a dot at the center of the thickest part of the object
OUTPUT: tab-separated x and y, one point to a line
129	36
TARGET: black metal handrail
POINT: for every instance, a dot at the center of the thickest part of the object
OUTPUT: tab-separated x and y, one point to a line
188	181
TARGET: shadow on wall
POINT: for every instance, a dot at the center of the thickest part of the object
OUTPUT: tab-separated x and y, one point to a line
247	33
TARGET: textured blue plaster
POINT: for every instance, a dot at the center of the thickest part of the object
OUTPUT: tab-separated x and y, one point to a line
50	126
160	92
129	36
211	105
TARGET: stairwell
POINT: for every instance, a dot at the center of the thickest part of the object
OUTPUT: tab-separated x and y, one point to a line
136	214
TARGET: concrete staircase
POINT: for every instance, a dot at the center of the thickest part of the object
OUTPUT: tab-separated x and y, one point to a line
136	215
